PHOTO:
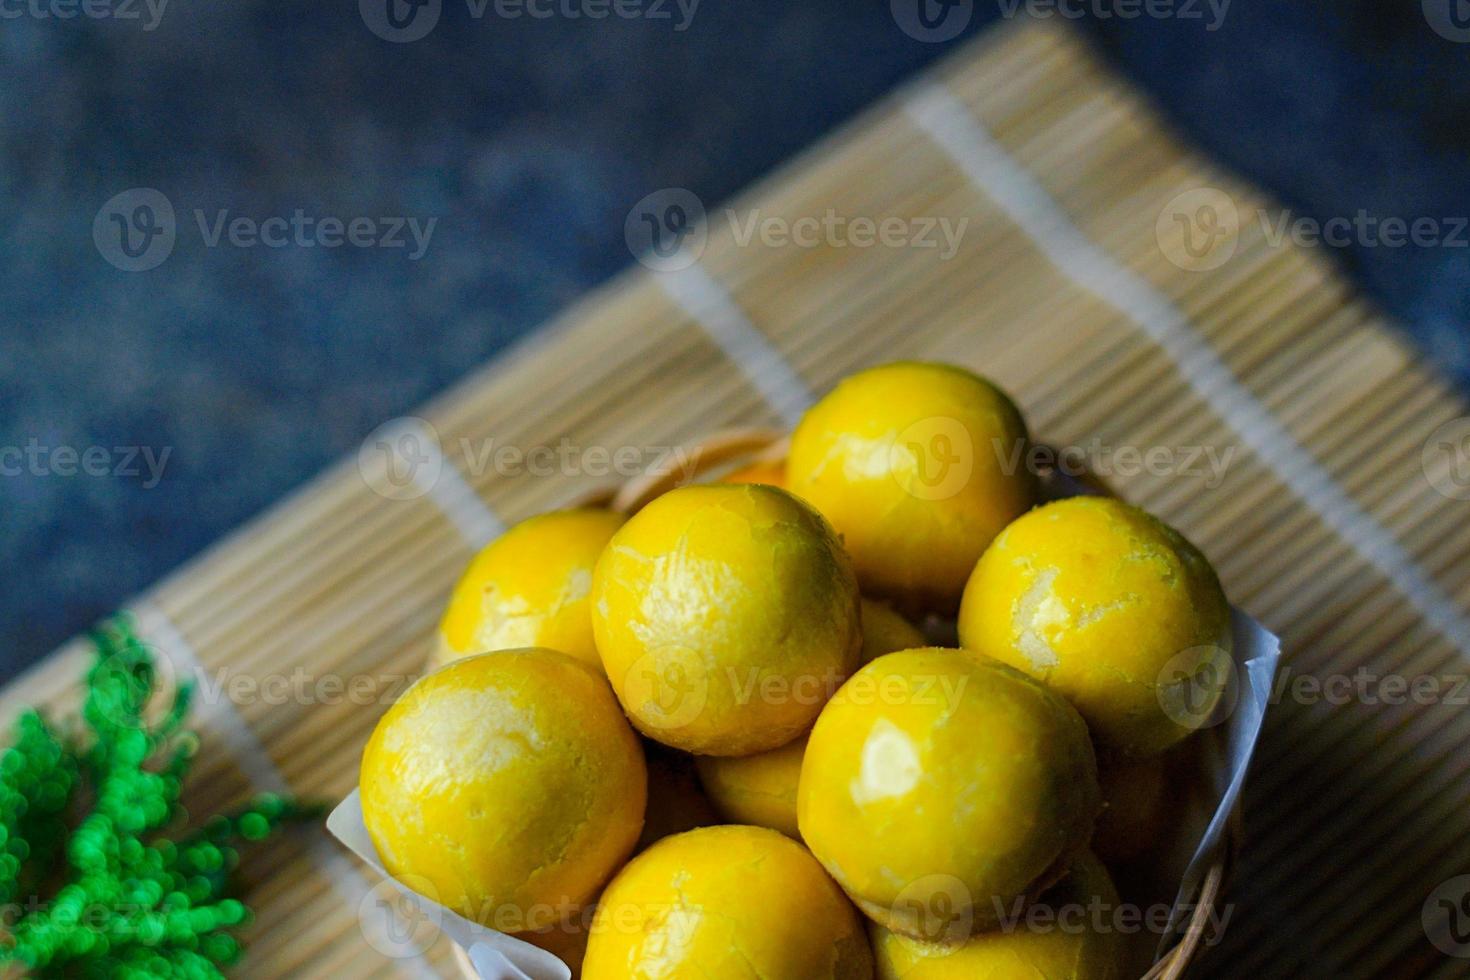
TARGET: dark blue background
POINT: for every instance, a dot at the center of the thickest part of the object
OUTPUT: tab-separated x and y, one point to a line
530	140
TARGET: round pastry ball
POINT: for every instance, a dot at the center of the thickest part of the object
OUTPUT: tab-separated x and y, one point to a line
529	588
935	786
726	902
1069	935
507	786
726	616
1111	607
756	789
918	466
885	631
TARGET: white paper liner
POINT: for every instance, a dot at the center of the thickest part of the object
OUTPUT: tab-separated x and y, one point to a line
1256	653
496	956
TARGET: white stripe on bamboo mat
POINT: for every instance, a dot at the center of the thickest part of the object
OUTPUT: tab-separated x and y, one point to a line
709	304
156	629
953	127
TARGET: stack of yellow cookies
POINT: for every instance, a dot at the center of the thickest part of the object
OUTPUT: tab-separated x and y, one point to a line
707	740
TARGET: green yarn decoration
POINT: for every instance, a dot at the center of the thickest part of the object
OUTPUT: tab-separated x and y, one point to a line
92	883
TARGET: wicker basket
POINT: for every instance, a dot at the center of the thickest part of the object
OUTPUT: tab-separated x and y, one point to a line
724	452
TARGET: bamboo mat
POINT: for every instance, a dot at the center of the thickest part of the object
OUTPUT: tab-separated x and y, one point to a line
1326	525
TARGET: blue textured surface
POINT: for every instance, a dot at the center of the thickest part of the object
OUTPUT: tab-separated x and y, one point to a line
529	140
